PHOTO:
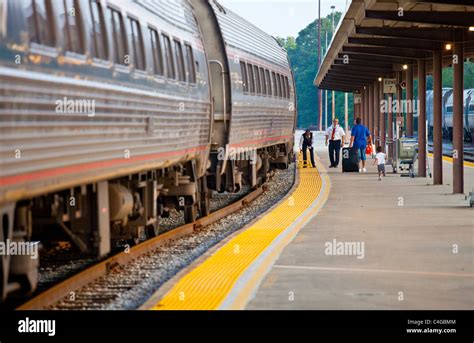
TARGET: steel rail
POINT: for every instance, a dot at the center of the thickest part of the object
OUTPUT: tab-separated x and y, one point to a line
64	288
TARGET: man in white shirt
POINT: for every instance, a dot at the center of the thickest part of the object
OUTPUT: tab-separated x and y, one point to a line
336	135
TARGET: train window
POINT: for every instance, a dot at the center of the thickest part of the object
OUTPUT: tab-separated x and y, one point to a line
243	71
251	79
283	86
156	50
279	85
449	109
268	81
118	34
136	44
170	71
274	84
40	22
99	39
70	21
178	51
257	80
287	87
190	63
264	82
471	108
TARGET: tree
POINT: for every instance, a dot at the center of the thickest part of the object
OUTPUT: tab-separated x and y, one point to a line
303	56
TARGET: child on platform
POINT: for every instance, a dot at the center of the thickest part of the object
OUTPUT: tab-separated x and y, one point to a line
380	160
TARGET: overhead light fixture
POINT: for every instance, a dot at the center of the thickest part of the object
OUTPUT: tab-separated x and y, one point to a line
380	79
405	66
448	46
471	28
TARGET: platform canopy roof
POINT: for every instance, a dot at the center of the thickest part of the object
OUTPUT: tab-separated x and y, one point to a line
376	38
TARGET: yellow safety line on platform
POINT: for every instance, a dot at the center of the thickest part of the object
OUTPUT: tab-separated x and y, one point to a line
208	285
450	160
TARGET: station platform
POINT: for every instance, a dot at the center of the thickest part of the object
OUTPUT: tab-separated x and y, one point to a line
342	241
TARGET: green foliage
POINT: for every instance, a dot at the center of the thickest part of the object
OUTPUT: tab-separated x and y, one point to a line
303	55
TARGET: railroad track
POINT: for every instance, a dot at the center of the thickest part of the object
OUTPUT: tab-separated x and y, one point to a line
89	281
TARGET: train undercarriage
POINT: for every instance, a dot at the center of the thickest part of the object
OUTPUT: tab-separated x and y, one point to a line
98	218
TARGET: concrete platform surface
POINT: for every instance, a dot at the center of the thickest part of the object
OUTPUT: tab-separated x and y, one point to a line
399	243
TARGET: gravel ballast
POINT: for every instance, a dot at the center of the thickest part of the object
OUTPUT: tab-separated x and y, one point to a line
127	287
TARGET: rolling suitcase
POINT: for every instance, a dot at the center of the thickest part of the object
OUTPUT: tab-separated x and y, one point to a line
350	160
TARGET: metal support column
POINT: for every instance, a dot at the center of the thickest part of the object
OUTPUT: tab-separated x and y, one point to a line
458	140
365	119
437	118
422	117
399	98
320	93
356	109
362	106
390	126
371	109
326	109
320	103
382	121
333	98
346	114
376	133
409	123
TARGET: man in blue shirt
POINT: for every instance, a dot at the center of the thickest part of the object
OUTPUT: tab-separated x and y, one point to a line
360	135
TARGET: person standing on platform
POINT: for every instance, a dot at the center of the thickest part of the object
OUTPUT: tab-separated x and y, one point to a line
306	142
360	135
380	160
336	135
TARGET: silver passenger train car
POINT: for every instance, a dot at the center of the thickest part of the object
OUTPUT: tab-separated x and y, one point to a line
470	113
447	113
446	93
115	112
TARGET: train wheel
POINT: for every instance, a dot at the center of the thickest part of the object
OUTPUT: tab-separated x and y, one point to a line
205	207
152	230
204	195
190	213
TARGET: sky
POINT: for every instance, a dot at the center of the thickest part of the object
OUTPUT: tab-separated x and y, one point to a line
282	17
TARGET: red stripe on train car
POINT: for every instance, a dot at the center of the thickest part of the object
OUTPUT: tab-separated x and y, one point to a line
86	166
